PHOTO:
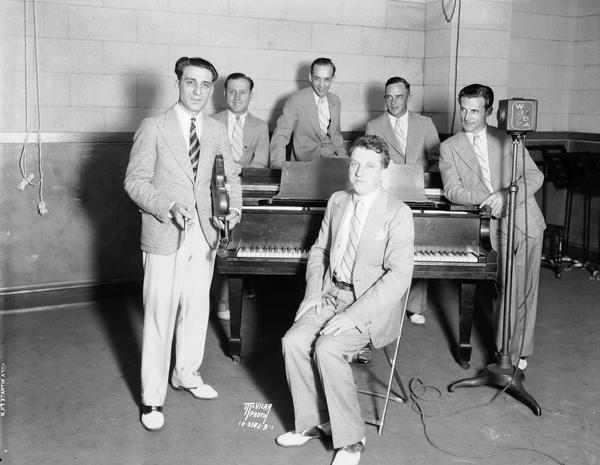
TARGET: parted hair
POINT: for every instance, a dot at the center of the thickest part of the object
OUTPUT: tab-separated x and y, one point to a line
239	76
478	90
374	143
397	80
322	62
184	62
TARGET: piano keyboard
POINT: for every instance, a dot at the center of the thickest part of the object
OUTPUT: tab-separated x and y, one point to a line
271	252
297	253
445	256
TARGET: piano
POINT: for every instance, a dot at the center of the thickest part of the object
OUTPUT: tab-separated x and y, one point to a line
281	217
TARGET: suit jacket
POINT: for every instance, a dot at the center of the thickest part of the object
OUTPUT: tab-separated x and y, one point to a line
300	117
422	140
256	140
382	268
160	173
463	179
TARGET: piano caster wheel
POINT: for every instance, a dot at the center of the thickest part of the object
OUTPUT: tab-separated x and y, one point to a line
235	358
465	365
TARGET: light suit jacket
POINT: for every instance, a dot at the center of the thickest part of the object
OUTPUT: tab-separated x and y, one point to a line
160	173
382	268
463	179
256	140
422	140
300	117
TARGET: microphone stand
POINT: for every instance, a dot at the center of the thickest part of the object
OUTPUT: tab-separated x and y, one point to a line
503	373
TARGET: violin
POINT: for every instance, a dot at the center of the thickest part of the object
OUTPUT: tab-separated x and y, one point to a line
220	201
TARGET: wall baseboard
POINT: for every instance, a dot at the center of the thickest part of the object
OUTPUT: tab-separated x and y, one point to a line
64	294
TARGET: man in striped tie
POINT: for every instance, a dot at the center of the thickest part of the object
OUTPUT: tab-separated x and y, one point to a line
475	165
357	273
168	177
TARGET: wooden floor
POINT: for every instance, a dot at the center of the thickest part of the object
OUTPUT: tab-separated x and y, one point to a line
71	384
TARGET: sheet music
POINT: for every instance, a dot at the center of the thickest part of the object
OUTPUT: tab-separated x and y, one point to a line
407	182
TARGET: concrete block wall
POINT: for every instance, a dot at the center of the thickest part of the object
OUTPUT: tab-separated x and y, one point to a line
584	113
105	64
482	54
541	58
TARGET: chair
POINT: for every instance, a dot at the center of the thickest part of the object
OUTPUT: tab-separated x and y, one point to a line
393	376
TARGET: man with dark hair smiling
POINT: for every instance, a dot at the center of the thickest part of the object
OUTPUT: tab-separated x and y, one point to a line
249	137
313	116
475	164
357	273
168	177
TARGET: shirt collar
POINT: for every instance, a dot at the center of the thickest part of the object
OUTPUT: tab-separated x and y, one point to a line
184	116
403	119
231	116
482	135
366	199
317	98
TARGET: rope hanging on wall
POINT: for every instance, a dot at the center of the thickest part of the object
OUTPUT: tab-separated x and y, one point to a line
26	176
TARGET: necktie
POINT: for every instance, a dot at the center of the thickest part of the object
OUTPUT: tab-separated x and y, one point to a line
400	132
347	263
237	139
323	116
483	163
194	146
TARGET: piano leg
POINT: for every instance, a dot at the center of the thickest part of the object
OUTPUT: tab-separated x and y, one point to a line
235	320
465	321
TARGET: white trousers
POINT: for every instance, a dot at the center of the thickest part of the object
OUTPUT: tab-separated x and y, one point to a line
176	300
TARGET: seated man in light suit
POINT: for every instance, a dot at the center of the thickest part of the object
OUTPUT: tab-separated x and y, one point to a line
313	115
357	273
412	138
475	165
249	137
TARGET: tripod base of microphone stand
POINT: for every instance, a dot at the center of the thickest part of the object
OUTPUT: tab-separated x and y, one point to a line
502	376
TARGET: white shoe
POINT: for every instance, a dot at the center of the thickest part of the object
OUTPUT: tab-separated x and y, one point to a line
349	455
152	418
202	391
416	318
293	439
522	365
223	315
199	390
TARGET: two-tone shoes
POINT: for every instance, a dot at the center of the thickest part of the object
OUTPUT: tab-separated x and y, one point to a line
293	439
152	417
349	455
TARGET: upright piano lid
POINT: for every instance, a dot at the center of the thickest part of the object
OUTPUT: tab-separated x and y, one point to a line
406	182
315	180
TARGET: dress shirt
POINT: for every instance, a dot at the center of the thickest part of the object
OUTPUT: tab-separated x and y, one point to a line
231	122
482	148
348	214
317	98
185	121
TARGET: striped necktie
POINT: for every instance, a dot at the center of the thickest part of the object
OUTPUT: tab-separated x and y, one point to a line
347	263
483	163
237	139
194	146
323	116
400	132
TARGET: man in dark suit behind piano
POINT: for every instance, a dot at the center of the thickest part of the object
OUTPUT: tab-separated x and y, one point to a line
411	138
313	116
475	165
357	273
